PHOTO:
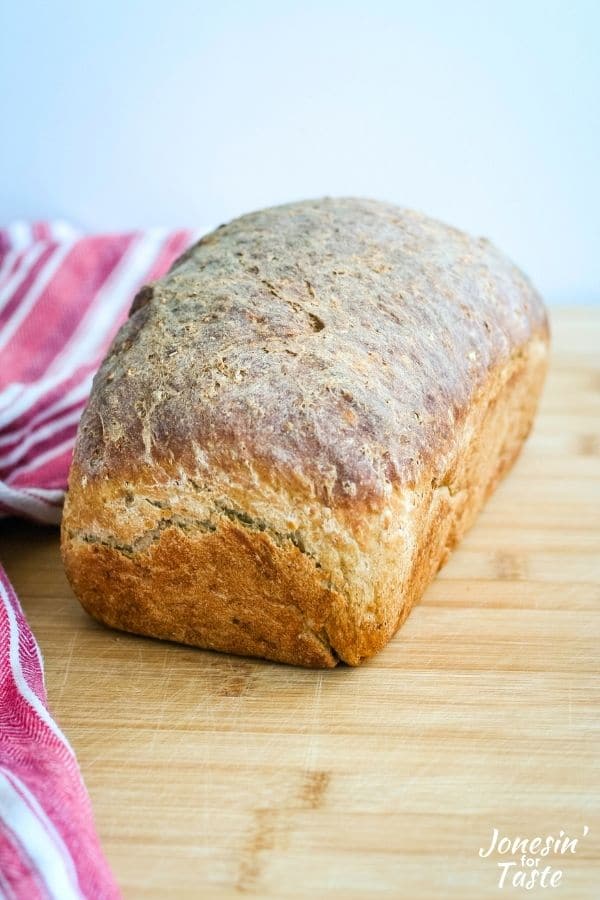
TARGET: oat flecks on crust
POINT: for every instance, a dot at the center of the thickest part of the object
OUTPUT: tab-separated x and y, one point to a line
294	428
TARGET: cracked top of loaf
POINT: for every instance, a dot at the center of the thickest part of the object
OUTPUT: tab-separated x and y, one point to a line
331	345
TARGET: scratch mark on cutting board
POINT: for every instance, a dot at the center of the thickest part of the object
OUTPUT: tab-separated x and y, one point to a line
314	737
67	667
162	708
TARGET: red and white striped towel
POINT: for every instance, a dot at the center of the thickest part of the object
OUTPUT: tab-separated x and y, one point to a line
62	298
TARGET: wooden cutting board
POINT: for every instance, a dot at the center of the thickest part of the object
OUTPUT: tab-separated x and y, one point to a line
217	776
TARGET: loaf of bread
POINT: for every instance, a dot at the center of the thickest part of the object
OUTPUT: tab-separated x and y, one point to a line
294	428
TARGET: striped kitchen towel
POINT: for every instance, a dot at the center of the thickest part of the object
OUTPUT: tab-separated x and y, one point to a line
62	297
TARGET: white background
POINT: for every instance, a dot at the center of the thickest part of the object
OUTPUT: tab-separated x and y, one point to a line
485	114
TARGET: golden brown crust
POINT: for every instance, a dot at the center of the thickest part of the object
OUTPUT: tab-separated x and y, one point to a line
256	492
334	344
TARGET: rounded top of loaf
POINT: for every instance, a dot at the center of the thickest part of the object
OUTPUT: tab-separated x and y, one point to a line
333	345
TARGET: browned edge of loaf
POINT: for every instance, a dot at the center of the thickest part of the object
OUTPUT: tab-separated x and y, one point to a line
261	594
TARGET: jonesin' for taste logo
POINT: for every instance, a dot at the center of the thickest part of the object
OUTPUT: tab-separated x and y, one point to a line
530	862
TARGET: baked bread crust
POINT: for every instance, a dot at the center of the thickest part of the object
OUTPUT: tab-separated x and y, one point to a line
295	426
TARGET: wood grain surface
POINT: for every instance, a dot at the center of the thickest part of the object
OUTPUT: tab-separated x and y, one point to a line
217	776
